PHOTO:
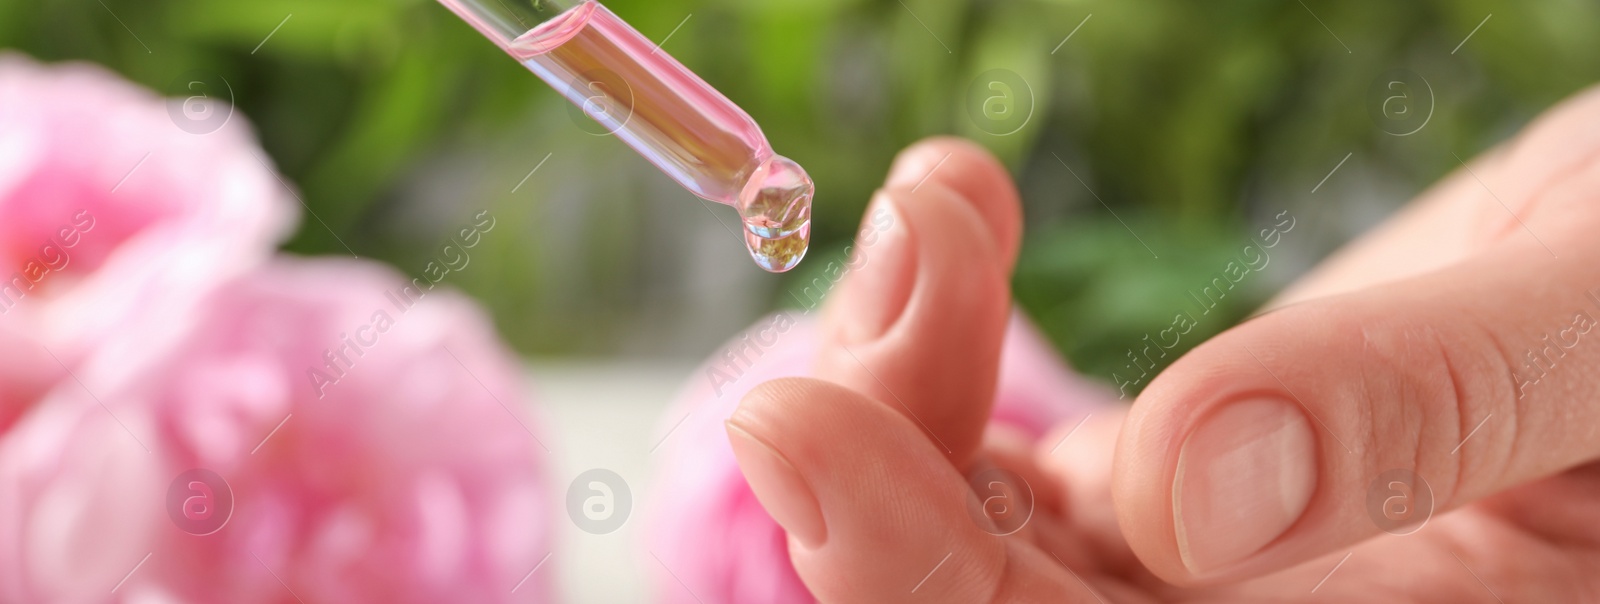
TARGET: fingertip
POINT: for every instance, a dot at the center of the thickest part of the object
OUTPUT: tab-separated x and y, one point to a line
1171	481
973	173
781	488
806	418
883	267
849	478
925	333
770	406
777	445
1237	461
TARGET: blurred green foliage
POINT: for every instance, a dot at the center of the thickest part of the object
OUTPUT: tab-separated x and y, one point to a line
1192	121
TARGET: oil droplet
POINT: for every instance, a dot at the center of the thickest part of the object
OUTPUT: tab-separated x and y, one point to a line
776	209
779	254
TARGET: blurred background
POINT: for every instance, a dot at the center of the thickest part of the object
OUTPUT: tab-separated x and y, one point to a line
1151	139
1160	135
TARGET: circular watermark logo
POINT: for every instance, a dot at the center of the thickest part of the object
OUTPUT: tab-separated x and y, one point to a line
200	102
199	502
1400	502
599	501
1002	502
602	101
1400	102
1000	102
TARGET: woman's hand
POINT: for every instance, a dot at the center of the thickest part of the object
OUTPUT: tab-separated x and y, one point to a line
1447	359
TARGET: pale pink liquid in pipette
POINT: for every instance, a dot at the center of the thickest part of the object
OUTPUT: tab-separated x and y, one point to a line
676	121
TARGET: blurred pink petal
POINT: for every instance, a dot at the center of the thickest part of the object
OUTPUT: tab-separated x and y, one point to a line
110	213
411	478
26	373
706	524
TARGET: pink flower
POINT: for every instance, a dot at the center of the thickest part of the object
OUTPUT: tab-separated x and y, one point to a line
111	213
707	525
26	373
410	475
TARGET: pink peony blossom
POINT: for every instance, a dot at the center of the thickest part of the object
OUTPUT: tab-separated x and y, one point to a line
26	373
110	213
412	477
707	525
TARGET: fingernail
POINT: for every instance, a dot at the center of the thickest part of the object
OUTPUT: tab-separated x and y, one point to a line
778	486
883	271
1245	474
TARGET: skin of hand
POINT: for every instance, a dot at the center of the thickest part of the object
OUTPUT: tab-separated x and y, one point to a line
1452	342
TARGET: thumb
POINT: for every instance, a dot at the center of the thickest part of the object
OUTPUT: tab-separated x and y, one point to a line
1282	439
873	510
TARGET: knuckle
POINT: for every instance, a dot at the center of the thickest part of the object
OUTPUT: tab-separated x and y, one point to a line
1442	404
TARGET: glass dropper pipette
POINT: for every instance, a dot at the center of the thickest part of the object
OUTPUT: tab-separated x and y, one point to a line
668	114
